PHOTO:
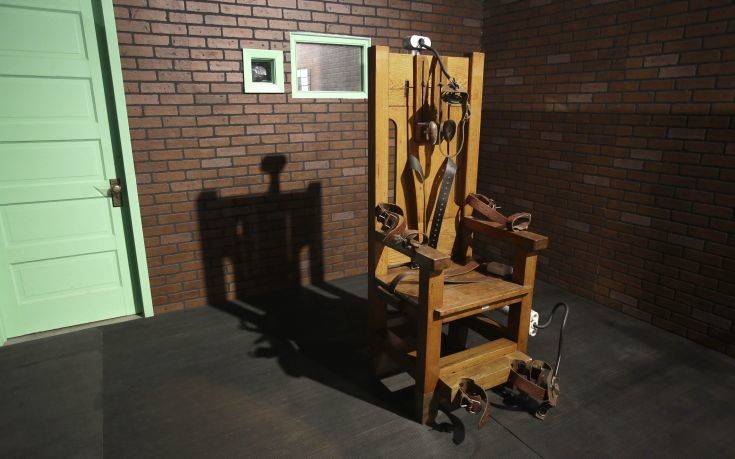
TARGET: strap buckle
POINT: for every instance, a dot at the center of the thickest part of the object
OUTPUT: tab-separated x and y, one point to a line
388	219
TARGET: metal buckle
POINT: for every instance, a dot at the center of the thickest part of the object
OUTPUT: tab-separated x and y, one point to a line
388	219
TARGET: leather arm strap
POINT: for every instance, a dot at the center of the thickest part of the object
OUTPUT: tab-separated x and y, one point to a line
487	208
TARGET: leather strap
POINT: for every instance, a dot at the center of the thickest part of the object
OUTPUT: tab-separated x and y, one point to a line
536	380
451	275
473	398
394	226
450	170
487	208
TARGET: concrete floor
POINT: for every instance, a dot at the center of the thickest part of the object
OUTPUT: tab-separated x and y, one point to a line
287	376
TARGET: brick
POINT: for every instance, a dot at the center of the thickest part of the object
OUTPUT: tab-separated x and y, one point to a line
593	87
561	165
628	164
623	298
677	72
635	219
661	60
577	225
557	58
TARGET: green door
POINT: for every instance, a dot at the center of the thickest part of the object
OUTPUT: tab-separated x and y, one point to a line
63	257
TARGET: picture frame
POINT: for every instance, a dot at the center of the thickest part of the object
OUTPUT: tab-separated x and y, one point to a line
263	71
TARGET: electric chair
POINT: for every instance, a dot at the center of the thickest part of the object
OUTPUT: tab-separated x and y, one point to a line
425	219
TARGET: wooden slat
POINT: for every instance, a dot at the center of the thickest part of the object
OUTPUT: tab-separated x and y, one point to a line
491	350
378	147
401	70
476	70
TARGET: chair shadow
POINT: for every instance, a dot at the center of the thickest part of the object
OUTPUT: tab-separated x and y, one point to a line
264	265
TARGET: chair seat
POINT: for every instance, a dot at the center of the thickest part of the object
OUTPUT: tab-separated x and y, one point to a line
482	292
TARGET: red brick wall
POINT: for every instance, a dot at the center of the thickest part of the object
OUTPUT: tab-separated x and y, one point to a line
613	122
212	223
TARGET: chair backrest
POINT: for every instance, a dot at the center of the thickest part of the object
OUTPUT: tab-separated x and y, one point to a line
400	86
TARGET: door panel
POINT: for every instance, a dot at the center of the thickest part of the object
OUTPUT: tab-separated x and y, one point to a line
45	99
44	279
28	30
63	257
49	160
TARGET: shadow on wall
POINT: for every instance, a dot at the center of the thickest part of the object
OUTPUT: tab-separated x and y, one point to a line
257	243
264	266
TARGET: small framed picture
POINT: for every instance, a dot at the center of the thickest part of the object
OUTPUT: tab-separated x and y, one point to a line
263	71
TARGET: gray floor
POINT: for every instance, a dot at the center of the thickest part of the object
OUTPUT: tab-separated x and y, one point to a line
286	376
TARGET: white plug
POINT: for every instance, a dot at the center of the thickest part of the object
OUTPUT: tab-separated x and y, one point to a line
412	43
533	323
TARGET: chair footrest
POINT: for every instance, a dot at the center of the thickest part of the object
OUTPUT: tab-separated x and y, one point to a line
488	365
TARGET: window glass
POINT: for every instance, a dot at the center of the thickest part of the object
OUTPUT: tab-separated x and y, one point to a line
325	67
328	66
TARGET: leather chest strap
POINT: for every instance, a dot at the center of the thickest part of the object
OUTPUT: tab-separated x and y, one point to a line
450	170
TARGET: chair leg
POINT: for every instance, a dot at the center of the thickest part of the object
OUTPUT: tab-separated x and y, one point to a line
429	335
378	323
427	374
518	320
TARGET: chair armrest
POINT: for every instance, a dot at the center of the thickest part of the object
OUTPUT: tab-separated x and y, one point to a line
524	240
429	258
424	256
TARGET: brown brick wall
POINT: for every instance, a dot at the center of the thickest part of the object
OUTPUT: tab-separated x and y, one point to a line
214	221
613	122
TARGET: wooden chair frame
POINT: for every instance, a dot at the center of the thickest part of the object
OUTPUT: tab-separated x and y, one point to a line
394	82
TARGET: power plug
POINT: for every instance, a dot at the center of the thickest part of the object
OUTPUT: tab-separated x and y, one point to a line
412	43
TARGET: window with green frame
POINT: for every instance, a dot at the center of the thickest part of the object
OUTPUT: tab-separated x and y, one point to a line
328	66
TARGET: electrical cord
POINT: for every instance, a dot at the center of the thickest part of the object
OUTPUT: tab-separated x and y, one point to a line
452	82
541	326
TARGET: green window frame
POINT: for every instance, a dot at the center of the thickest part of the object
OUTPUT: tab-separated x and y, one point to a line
328	39
276	57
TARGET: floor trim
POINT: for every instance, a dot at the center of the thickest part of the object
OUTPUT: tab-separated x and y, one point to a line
65	330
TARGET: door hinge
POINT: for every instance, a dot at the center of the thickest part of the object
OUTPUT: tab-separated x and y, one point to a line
116	192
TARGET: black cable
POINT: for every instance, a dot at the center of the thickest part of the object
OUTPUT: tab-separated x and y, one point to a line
561	332
452	82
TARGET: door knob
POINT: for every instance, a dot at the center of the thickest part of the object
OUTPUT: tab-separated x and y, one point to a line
116	192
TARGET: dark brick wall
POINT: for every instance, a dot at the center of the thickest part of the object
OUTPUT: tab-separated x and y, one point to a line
613	122
214	220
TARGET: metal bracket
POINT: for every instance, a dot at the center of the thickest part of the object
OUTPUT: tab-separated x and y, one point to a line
116	192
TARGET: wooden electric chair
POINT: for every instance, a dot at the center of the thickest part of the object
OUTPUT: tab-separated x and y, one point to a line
399	87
